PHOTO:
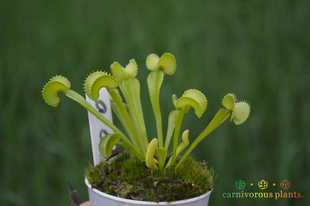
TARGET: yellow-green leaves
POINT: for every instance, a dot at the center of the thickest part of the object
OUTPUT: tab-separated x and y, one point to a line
131	116
166	61
240	110
179	148
195	99
241	113
155	79
190	98
149	160
184	143
130	87
162	155
51	89
152	62
107	143
229	101
121	73
60	83
97	80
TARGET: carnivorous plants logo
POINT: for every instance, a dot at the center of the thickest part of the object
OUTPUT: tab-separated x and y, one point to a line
263	193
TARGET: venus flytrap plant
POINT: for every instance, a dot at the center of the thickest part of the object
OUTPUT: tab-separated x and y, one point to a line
190	99
154	80
130	87
239	112
60	83
154	153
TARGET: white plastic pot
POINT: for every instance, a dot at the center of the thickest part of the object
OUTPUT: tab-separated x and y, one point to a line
98	198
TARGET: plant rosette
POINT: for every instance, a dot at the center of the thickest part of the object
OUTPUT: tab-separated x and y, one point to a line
152	155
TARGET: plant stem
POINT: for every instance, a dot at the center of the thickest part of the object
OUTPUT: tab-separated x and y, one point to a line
79	99
131	90
217	120
178	118
154	81
170	128
122	114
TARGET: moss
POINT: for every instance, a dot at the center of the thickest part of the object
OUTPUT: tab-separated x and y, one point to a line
128	177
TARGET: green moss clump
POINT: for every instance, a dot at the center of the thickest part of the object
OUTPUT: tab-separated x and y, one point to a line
128	177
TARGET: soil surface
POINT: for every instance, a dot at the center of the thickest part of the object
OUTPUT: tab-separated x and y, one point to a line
128	177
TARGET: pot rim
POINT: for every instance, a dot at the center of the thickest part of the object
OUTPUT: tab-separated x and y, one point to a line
140	202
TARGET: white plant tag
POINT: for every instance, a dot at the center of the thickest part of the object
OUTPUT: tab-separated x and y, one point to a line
97	128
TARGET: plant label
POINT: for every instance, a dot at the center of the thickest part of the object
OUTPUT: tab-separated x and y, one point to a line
97	128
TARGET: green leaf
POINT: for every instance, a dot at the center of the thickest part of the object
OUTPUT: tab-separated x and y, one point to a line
122	114
184	143
174	100
170	128
131	92
154	82
218	119
59	83
107	143
121	110
118	71
178	118
131	69
97	80
132	150
51	89
121	73
241	112
152	62
167	62
179	148
149	160
121	118
195	99
229	102
162	154
82	101
130	87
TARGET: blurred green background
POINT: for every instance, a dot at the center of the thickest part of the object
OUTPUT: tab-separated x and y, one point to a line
259	50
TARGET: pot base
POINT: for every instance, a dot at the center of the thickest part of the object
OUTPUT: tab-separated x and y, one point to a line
98	198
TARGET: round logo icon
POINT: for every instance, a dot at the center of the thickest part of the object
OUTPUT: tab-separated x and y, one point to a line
262	184
285	184
240	184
